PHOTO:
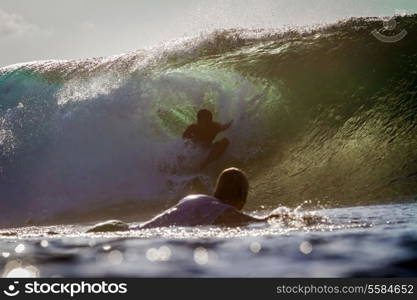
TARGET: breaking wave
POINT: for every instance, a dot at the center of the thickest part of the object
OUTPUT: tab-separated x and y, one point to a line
324	114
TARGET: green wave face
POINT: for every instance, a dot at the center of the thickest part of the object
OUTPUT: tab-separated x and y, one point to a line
330	115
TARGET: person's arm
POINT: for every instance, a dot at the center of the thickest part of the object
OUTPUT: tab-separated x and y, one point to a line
226	126
233	217
189	132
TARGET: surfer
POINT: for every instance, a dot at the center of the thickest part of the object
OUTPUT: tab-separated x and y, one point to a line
202	135
223	208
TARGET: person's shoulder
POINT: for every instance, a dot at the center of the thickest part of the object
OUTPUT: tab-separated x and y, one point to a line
192	126
190	131
194	197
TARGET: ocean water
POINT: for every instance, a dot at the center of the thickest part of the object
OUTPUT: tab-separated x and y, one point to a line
324	117
348	242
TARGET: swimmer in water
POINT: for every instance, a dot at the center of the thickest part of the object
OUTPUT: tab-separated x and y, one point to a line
203	133
223	208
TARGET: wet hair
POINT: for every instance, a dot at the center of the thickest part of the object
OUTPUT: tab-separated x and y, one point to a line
204	114
232	187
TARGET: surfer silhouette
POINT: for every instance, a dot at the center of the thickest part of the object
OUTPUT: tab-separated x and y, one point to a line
202	135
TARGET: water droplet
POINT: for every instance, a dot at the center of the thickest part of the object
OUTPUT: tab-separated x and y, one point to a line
23	272
201	256
16	269
164	253
306	247
255	247
19	248
115	257
152	254
161	254
106	247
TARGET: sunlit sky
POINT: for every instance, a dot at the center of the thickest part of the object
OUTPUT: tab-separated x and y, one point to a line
61	29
